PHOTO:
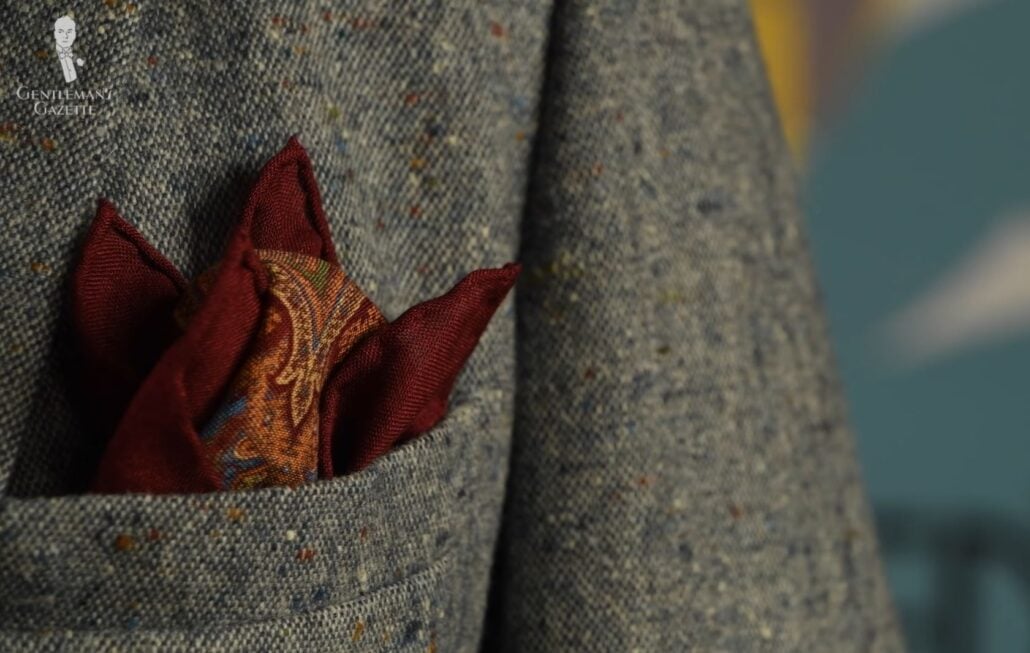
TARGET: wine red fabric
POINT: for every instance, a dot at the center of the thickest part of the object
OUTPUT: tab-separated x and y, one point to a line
159	389
123	292
284	210
395	383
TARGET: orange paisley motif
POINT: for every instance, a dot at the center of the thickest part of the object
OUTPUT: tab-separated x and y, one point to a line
266	431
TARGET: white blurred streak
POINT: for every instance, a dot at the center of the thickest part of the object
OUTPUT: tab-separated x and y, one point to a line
912	16
986	297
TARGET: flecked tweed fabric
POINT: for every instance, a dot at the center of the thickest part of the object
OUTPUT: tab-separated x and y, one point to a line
647	450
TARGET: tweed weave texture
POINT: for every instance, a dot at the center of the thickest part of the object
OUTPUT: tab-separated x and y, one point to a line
695	486
663	440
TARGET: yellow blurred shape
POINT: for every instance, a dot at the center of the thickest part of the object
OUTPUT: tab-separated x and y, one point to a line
782	28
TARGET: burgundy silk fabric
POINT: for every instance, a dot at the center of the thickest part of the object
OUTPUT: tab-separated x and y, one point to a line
162	396
396	382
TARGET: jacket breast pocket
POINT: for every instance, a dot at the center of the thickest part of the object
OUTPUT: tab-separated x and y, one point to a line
369	561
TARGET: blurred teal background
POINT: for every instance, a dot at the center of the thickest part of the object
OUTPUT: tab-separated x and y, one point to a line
930	154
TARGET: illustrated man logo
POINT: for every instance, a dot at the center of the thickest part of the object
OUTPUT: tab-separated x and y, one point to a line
64	35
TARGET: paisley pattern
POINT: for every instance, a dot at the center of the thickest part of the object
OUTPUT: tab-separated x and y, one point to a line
266	431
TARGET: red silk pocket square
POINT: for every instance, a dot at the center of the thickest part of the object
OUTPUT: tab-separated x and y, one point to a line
271	368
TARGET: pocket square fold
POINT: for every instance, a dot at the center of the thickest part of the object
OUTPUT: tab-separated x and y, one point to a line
272	367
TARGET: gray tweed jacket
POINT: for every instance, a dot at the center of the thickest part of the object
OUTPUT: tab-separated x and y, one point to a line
648	449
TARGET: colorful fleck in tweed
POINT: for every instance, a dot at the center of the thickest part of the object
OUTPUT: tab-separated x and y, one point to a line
266	433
